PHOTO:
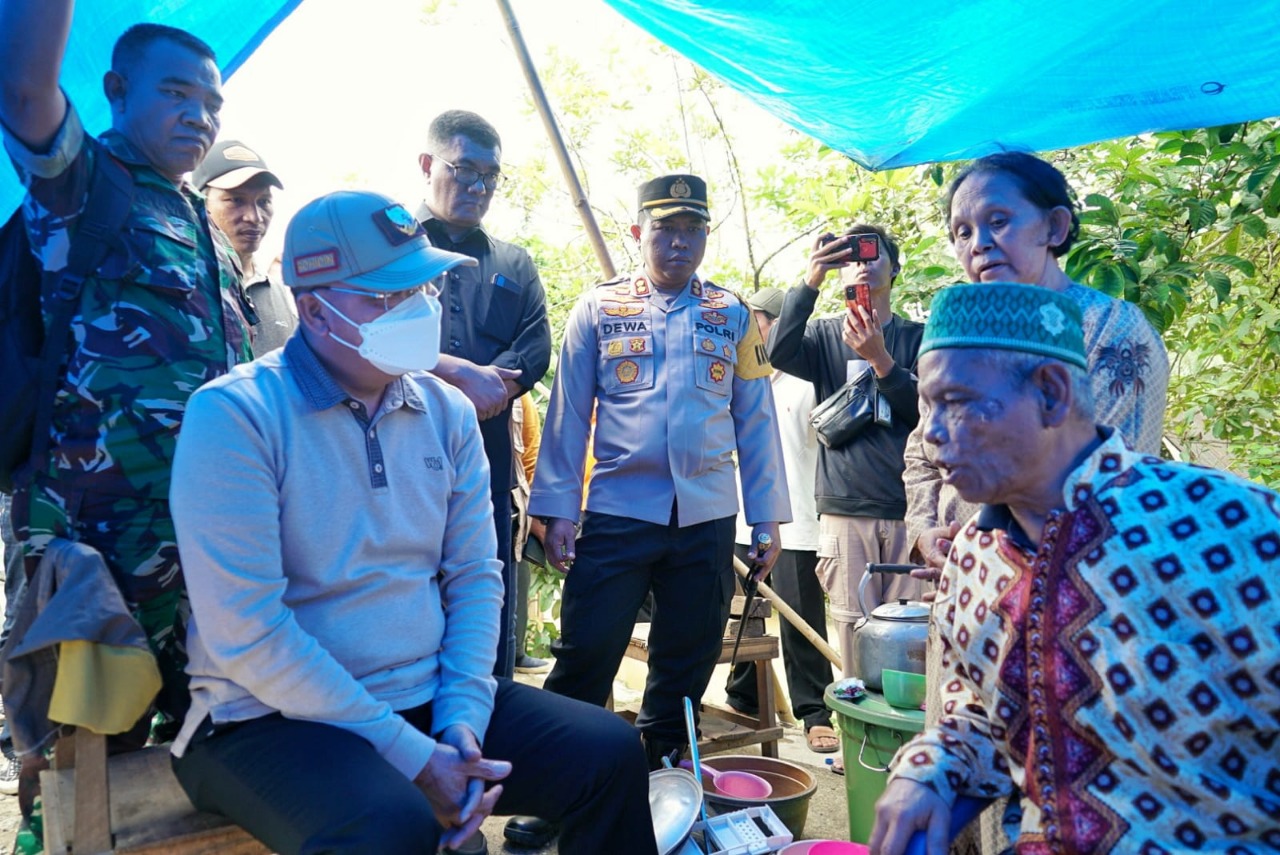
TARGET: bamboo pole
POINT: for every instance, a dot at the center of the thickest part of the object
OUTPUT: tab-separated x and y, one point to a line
557	141
792	616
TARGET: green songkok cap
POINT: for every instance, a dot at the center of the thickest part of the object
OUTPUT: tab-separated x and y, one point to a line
1006	316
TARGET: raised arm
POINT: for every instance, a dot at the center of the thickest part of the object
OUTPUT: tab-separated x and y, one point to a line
33	40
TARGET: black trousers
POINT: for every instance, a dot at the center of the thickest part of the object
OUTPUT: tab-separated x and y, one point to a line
304	787
618	562
504	665
795	580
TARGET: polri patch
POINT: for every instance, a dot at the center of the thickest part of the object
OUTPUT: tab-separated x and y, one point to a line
627	371
716	319
637	345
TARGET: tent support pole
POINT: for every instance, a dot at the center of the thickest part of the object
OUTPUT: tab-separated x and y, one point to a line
557	141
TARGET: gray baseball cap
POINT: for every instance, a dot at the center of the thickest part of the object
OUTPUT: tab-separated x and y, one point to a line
364	240
767	300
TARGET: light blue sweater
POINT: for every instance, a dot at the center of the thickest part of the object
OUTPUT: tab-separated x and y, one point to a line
337	571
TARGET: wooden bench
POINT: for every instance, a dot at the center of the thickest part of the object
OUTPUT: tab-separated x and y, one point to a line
724	728
128	803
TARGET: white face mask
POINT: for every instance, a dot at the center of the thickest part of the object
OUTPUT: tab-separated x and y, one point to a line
403	339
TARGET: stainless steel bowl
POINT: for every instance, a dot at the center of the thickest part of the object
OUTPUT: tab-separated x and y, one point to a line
675	797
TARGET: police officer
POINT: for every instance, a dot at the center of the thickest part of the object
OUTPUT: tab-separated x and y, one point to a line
676	371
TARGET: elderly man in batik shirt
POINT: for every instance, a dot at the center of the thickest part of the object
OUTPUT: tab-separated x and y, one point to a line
1111	642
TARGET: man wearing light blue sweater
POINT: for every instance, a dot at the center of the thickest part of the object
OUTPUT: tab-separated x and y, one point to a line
333	513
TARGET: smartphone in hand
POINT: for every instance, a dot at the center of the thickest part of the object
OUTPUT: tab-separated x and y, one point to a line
858	295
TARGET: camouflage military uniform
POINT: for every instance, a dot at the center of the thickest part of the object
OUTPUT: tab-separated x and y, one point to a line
164	314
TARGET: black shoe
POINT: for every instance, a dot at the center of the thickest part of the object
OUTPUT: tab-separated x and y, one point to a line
530	831
526	664
473	845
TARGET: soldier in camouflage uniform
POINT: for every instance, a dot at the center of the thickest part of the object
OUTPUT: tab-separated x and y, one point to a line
163	315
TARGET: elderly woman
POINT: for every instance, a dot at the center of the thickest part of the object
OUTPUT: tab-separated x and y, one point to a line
1010	217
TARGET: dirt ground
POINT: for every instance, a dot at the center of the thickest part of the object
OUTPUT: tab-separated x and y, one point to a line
828	809
8	822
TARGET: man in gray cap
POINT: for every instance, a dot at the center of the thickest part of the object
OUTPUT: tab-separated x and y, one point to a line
237	186
1108	621
332	506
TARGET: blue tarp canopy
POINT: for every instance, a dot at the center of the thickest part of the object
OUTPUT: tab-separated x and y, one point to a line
915	81
888	84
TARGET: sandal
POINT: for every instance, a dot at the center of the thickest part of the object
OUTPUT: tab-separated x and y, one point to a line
836	765
822	739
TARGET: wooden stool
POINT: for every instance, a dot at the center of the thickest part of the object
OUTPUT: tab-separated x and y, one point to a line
720	723
129	803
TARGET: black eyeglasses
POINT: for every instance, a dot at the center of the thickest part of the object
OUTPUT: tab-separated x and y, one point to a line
467	177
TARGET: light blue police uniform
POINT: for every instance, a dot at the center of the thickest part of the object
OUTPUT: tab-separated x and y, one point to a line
680	390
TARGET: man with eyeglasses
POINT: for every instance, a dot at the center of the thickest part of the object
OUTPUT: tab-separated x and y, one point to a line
332	506
495	342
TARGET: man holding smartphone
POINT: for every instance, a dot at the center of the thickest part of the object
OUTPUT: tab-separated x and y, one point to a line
860	498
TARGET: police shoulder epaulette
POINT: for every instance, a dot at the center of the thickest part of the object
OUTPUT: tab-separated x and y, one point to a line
617	280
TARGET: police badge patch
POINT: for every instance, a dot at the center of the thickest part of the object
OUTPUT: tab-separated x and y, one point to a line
717	371
637	345
614	348
627	371
708	345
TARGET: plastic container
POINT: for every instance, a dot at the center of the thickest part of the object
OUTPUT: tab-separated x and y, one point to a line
871	732
903	689
793	787
816	847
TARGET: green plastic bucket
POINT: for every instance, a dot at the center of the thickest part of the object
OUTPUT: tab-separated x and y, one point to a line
871	732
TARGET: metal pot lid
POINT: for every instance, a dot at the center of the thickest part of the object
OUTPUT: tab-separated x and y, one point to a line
909	611
675	797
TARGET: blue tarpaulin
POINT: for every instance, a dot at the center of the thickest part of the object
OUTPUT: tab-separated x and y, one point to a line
914	81
888	84
233	28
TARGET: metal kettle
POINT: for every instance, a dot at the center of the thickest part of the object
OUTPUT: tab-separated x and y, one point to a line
893	636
